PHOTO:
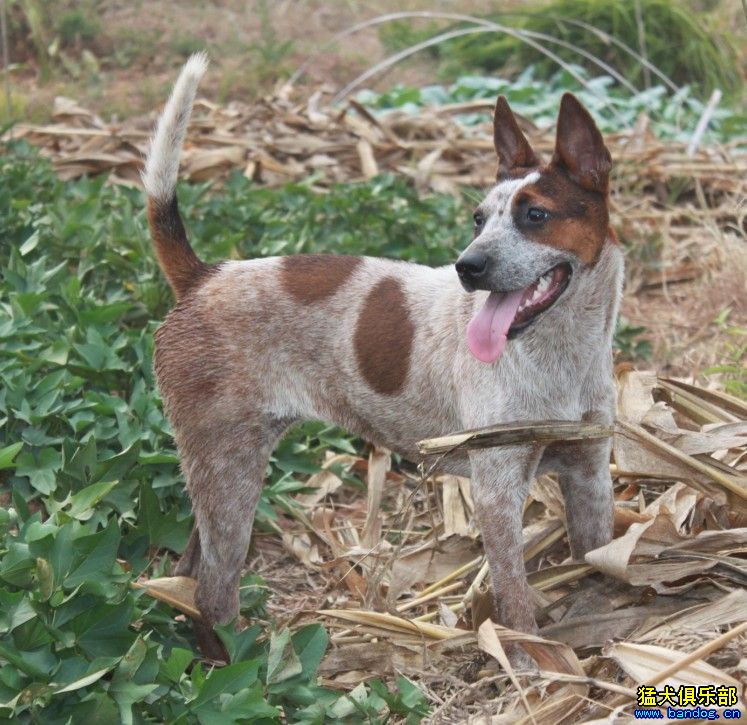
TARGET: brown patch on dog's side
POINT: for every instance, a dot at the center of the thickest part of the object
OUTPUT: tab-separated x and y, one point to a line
310	278
383	337
579	219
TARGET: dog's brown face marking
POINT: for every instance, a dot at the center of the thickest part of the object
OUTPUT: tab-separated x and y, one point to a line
383	337
572	189
310	278
578	219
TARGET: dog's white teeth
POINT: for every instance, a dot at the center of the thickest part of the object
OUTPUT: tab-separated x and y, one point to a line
544	283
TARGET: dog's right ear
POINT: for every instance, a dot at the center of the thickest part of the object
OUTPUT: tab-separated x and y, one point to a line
511	145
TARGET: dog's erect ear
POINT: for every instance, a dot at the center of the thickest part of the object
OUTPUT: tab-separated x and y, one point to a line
579	147
511	145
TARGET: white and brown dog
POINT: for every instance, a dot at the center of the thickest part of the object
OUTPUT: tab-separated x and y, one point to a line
521	328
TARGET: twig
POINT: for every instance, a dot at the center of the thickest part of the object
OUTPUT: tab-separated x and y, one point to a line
705	117
6	62
544	431
484	569
454	575
703	651
429	15
642	41
423	599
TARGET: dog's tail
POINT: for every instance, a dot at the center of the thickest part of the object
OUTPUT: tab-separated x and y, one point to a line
183	268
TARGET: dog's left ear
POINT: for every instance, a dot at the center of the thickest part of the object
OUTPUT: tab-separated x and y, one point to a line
510	143
579	146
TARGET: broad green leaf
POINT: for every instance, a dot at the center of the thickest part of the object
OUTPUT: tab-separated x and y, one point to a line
282	660
15	609
229	679
126	694
8	454
96	554
84	681
310	643
174	667
131	662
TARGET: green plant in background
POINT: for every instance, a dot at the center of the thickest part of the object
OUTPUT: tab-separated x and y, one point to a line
673	116
55	29
630	342
76	26
680	43
270	51
733	372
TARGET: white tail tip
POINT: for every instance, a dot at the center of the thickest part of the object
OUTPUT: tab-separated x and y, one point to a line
162	165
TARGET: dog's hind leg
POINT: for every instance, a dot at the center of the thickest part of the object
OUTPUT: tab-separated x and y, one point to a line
225	468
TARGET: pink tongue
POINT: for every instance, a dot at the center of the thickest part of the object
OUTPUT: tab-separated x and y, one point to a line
488	329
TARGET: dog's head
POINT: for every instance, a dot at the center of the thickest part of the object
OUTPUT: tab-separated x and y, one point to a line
538	227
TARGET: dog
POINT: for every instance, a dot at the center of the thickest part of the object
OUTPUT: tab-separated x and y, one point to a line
519	328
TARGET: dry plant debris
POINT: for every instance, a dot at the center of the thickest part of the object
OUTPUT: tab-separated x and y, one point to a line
280	139
401	583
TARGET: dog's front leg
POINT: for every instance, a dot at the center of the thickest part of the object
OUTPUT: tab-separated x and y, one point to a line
501	479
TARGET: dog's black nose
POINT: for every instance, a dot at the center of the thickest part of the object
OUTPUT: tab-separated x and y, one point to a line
471	266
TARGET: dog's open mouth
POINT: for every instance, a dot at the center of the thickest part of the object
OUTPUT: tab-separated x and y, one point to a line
505	314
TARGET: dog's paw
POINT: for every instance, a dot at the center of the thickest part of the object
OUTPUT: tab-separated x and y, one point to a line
520	661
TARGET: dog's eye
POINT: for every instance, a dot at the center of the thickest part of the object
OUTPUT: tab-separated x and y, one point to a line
479	219
535	215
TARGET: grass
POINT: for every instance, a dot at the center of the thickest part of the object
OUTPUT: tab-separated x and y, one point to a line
733	370
681	42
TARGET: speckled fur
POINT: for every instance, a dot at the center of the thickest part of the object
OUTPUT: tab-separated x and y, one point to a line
240	358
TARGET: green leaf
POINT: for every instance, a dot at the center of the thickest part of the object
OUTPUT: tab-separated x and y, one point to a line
8	454
163	530
229	679
117	467
83	503
30	244
96	553
282	660
84	681
104	630
310	643
15	609
126	694
239	645
131	662
175	666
